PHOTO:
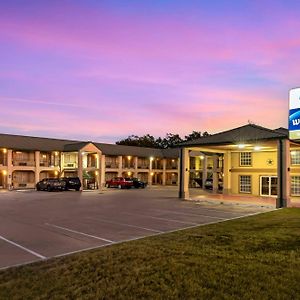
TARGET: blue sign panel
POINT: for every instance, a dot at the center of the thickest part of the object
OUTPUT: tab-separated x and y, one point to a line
294	119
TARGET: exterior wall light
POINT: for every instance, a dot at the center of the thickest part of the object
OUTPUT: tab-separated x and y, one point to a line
241	146
201	157
129	157
152	174
55	173
293	152
96	173
129	173
257	148
4	150
55	153
4	172
151	158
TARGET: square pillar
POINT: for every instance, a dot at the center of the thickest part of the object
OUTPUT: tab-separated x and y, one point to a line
184	173
37	166
101	168
204	171
150	172
227	173
135	174
120	166
283	175
215	173
164	171
80	168
9	169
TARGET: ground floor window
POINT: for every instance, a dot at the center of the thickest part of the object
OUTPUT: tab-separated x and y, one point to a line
268	185
245	184
295	185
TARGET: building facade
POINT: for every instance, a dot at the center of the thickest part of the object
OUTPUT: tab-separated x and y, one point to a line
248	161
26	160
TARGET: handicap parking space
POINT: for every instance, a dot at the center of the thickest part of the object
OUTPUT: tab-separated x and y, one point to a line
40	225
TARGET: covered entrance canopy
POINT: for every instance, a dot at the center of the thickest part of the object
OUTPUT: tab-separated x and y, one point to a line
246	157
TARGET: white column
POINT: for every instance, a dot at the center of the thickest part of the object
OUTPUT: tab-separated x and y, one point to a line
184	173
283	168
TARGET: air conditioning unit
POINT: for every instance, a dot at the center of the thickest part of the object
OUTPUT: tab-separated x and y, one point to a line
70	165
22	163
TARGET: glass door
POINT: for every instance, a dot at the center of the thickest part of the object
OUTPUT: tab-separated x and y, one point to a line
268	185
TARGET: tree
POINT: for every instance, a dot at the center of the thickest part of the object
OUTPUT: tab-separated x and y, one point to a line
169	141
143	141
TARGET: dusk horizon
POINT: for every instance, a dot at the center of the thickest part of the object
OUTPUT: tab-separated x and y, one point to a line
101	71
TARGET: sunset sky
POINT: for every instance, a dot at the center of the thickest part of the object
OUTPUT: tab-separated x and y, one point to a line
102	70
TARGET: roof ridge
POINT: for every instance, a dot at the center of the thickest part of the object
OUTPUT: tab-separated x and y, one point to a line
39	137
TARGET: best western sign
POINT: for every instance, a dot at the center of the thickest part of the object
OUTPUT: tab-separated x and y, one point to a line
294	114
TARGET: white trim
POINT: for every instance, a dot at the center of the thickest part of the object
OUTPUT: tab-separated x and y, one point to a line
260	185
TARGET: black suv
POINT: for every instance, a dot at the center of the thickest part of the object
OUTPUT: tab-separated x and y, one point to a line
51	184
72	183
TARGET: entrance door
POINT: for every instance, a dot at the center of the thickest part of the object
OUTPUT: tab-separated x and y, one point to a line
268	185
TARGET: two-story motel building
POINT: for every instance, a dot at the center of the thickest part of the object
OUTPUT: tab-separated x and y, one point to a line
249	161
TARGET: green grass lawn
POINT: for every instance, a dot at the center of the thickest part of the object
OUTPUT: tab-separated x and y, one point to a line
256	257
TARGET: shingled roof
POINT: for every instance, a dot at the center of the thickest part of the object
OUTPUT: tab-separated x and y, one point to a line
29	143
246	133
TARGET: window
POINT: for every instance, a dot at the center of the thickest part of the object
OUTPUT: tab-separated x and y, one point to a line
245	159
295	157
245	184
295	185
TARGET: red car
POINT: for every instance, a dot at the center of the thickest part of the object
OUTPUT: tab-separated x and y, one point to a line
120	182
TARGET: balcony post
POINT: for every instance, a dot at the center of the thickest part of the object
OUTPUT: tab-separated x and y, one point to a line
37	166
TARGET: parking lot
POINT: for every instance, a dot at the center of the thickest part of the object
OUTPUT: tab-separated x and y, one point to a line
39	225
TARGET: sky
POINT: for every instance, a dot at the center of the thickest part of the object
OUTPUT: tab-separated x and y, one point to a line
101	70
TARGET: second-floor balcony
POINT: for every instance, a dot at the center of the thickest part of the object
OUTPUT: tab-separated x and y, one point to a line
23	163
111	165
3	159
70	165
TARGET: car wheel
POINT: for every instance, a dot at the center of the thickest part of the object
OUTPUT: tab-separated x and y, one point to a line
38	188
77	189
49	188
119	186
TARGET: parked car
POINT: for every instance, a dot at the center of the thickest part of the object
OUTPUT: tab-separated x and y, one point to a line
198	181
72	183
138	183
51	184
209	184
120	182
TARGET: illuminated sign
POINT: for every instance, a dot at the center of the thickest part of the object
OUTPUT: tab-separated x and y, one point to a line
294	114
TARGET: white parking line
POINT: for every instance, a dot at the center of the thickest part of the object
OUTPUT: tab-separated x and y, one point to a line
23	248
81	233
188	214
164	219
128	225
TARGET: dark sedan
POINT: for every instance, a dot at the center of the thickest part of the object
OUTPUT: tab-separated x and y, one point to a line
138	183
